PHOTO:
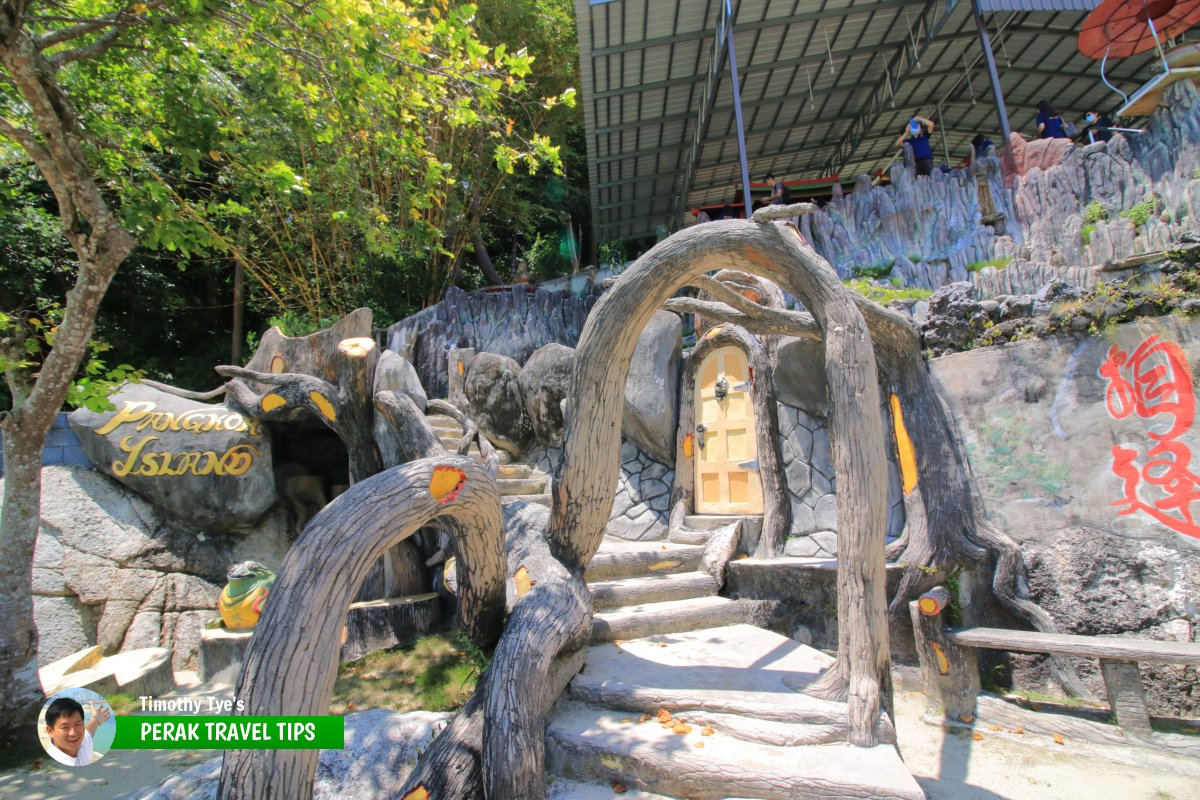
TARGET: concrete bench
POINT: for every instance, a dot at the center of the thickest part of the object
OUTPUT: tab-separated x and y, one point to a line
950	667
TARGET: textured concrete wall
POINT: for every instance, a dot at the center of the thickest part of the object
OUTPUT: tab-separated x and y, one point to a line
1060	433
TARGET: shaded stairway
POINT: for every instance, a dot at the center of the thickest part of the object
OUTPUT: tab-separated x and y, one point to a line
680	697
515	481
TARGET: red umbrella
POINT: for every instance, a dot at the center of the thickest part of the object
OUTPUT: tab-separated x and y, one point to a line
1120	28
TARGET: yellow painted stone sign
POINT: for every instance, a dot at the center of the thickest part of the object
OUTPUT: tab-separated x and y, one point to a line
142	416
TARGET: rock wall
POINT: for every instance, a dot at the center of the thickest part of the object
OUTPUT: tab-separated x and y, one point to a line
513	322
926	228
1060	432
113	570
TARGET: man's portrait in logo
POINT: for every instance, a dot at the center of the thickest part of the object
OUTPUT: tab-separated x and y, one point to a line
76	727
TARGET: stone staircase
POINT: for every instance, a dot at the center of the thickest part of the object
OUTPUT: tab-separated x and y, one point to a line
515	481
681	698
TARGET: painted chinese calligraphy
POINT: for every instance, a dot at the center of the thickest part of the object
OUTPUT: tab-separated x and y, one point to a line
1154	382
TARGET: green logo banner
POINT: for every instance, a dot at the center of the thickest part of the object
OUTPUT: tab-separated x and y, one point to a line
229	733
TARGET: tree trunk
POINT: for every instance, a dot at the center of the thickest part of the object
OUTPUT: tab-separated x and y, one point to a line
291	664
484	260
345	403
497	739
19	683
946	527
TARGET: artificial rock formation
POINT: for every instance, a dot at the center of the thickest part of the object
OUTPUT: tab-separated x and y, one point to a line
652	388
512	323
543	382
205	464
111	569
494	399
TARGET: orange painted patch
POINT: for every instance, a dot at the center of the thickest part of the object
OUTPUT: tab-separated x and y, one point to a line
522	581
324	406
689	443
446	483
928	605
277	365
272	401
939	656
659	566
904	445
419	793
357	347
458	365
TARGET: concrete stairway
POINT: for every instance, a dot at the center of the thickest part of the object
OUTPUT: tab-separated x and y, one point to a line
680	698
516	481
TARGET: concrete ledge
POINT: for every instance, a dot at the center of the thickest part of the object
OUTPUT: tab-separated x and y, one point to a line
805	591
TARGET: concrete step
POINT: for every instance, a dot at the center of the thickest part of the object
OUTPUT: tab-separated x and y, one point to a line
598	745
688	536
559	789
709	522
540	499
733	670
515	471
672	616
512	486
618	558
652	589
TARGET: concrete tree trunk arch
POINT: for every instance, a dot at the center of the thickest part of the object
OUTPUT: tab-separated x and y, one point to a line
306	612
494	745
584	491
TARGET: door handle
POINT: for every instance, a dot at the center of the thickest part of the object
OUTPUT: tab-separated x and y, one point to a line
700	429
752	466
743	387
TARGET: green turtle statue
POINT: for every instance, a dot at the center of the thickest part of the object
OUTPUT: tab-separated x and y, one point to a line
241	601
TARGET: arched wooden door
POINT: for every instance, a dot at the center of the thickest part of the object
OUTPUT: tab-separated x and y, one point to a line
726	468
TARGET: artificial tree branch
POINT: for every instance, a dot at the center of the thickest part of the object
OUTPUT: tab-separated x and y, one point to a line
762	320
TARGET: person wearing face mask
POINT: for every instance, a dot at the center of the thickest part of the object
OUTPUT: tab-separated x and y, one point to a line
1095	128
916	132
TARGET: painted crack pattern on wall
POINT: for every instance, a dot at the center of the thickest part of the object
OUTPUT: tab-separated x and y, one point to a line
641	508
808	465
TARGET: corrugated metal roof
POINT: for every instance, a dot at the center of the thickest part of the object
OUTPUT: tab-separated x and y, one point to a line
992	6
826	88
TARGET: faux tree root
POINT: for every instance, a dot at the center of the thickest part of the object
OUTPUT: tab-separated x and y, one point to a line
292	660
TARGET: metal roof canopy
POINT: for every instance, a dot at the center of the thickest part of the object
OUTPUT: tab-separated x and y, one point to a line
826	87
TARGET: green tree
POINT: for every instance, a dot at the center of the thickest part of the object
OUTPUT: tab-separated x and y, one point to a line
200	126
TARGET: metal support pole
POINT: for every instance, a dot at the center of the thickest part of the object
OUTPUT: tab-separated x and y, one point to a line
737	111
993	78
942	126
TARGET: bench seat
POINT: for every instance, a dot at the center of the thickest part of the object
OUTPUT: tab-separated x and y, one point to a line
1109	648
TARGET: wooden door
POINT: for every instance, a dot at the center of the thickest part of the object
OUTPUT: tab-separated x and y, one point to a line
726	436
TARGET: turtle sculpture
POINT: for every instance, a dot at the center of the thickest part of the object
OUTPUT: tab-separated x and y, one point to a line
241	601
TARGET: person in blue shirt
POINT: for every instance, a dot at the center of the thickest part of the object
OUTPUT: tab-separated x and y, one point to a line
916	133
1050	122
980	146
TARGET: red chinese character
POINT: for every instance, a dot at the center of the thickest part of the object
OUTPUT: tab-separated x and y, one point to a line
1158	383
